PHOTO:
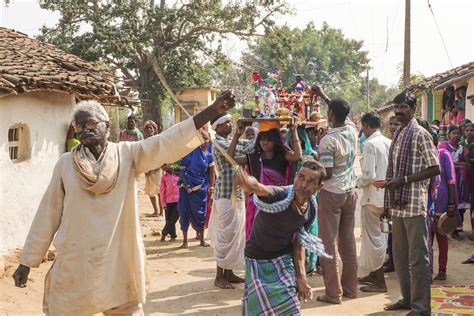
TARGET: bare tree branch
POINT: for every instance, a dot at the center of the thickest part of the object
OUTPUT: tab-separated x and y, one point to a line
120	66
201	30
268	15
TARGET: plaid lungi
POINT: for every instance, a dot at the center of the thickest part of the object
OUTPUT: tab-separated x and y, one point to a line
270	287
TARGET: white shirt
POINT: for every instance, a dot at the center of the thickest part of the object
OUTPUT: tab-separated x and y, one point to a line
374	164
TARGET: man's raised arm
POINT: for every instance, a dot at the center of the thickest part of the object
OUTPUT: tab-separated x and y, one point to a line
250	185
224	102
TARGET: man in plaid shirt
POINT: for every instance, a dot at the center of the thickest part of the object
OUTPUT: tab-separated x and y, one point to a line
413	160
227	224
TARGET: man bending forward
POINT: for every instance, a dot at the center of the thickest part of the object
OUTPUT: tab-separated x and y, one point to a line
274	255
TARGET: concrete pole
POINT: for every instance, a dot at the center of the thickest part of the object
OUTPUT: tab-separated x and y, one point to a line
406	57
368	91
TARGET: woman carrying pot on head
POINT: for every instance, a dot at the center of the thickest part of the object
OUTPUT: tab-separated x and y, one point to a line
269	162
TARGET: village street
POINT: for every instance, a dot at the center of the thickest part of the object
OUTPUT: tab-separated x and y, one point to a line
181	281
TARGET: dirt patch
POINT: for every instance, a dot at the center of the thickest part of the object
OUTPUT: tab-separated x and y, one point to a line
182	280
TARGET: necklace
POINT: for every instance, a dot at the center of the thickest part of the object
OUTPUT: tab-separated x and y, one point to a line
301	208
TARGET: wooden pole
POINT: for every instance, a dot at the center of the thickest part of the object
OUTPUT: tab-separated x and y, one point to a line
406	57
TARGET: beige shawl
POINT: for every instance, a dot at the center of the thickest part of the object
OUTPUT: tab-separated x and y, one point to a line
97	176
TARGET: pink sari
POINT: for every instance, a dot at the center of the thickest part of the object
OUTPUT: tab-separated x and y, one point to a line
268	177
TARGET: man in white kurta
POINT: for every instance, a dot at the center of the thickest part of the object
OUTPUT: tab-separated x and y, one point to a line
374	166
94	221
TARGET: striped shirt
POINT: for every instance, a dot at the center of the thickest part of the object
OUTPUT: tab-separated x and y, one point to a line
223	189
424	155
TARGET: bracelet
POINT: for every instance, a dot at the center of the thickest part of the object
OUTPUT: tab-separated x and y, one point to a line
406	180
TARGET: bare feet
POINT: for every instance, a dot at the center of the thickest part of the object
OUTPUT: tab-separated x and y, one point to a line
368	279
232	278
152	215
163	238
396	306
173	239
374	288
203	244
325	299
184	245
223	284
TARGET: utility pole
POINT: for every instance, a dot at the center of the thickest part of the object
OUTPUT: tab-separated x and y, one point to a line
368	90
406	55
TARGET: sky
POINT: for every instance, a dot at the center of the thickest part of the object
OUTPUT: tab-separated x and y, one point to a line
378	23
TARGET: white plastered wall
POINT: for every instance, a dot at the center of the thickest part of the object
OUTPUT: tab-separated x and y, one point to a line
22	184
469	106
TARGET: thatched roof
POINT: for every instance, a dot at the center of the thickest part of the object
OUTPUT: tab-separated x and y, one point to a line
444	79
28	64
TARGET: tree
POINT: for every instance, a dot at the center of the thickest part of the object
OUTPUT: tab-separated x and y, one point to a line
324	56
184	38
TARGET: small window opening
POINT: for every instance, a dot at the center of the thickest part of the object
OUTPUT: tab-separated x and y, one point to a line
18	143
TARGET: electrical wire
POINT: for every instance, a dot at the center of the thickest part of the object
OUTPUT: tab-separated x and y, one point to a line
440	35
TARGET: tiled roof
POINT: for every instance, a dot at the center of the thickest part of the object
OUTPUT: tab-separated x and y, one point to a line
444	79
28	64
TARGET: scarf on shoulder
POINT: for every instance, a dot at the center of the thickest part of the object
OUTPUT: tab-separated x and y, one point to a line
308	241
456	150
398	198
97	176
135	134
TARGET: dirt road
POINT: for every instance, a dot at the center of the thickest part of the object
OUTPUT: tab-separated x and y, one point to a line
181	282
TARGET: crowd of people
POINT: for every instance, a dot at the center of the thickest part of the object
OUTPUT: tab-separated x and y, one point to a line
279	203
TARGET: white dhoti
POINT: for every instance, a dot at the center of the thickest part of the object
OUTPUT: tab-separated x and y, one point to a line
152	182
374	242
227	233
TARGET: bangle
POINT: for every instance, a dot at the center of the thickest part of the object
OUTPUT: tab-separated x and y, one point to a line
406	180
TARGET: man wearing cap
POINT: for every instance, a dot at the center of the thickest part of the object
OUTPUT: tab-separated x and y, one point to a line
413	160
227	224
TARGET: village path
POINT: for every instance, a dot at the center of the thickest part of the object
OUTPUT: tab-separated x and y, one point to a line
182	281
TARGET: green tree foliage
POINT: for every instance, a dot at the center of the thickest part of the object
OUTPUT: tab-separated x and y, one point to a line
184	36
323	55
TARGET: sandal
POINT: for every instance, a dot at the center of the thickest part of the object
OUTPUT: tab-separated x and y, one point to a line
441	276
468	261
396	306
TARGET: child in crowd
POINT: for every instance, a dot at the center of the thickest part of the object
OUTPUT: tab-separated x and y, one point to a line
169	196
445	202
468	143
460	159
